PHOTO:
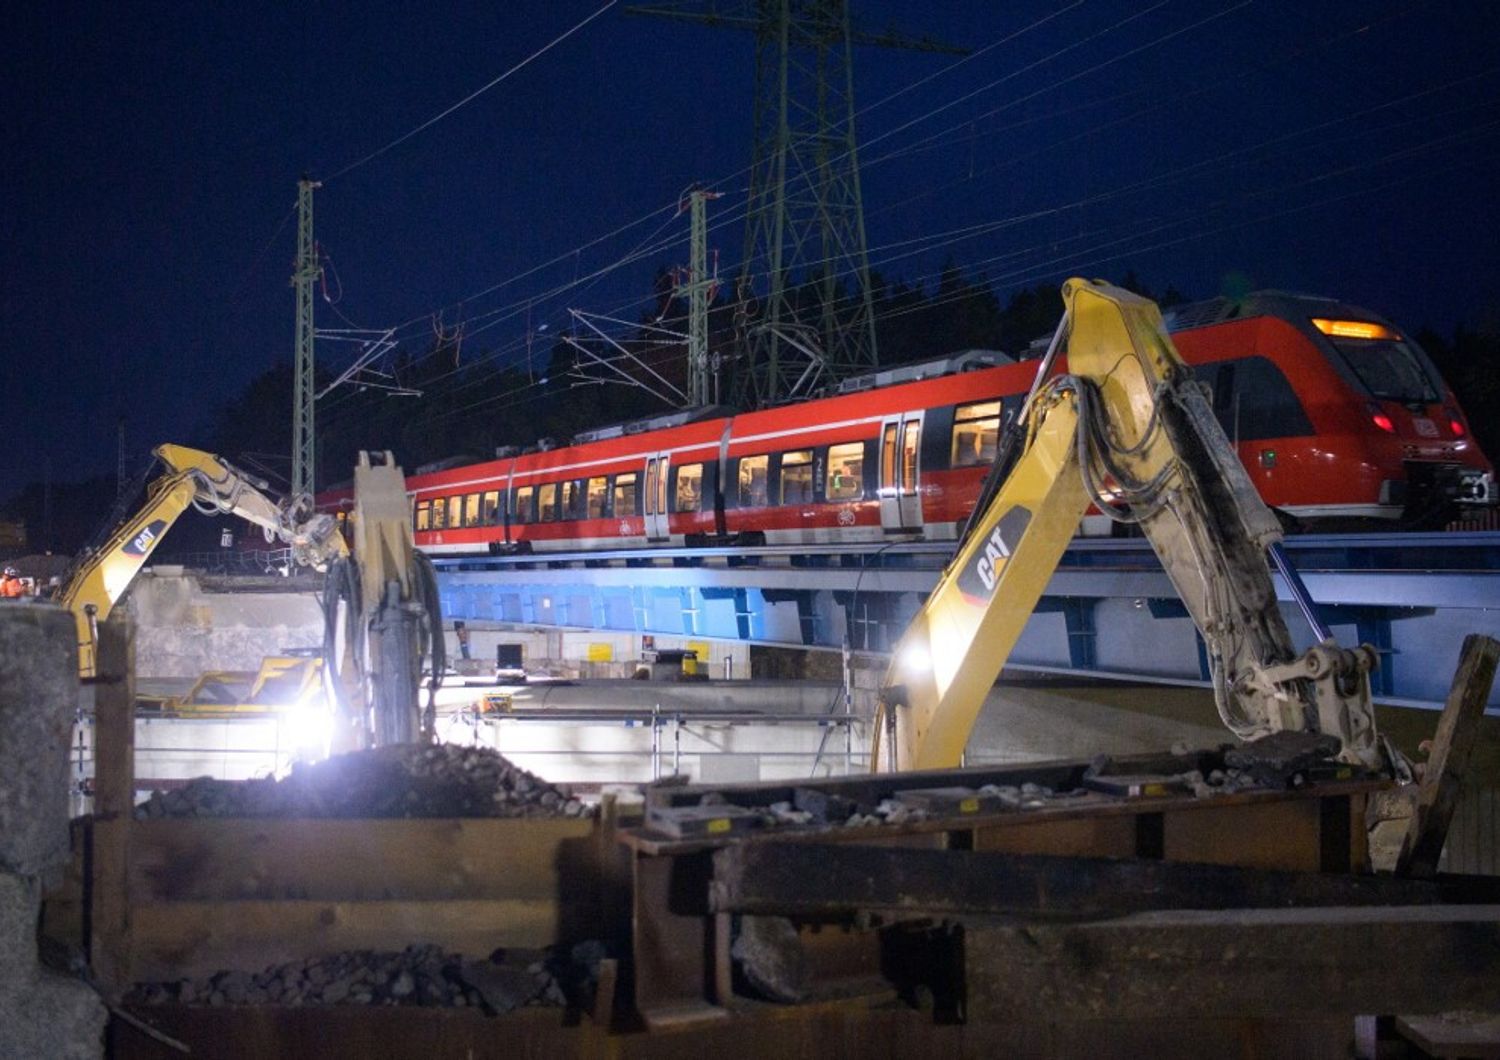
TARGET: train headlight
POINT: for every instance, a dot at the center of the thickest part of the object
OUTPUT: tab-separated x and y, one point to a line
916	659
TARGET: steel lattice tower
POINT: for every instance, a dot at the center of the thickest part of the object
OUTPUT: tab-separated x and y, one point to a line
304	439
805	304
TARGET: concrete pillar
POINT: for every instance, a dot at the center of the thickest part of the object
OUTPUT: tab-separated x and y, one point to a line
41	1013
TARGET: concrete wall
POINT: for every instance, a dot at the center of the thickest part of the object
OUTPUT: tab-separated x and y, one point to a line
183	629
41	1013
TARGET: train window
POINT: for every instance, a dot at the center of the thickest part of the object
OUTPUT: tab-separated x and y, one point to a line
490	508
651	475
572	500
525	504
976	433
546	503
471	510
423	517
846	471
1268	406
753	490
1388	369
598	490
439	513
661	488
797	477
689	492
1254	401
625	494
910	441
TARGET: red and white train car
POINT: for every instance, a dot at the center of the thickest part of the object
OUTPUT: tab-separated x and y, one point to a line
1336	415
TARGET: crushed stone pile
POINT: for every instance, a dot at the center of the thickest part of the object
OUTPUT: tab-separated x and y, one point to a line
405	780
417	975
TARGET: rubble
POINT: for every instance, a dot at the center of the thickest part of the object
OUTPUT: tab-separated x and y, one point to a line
416	976
406	780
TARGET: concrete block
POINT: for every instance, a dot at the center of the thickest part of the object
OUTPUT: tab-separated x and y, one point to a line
41	1013
20	905
52	1016
38	698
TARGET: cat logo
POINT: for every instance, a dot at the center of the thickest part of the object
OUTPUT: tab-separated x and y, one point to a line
142	543
977	580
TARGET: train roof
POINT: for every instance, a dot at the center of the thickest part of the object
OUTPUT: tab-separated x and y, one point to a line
1288	304
964	361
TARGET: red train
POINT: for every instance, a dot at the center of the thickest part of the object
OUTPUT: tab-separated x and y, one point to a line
1338	417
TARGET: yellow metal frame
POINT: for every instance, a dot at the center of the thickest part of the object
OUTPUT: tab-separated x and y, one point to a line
192	476
1205	521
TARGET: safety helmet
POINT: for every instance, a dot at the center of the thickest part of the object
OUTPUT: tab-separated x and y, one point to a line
11	572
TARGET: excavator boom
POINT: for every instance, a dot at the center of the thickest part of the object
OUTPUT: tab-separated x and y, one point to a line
195	479
1127	429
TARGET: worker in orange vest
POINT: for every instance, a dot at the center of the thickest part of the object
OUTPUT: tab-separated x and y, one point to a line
11	586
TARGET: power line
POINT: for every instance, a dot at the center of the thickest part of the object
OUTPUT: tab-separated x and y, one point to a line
473	95
593	277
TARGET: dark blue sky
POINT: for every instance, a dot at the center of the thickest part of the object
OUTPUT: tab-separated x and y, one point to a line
151	154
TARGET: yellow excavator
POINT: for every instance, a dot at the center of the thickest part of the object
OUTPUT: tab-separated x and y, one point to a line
1128	430
381	610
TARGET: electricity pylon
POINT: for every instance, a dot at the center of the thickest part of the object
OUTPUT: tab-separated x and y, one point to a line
804	302
304	439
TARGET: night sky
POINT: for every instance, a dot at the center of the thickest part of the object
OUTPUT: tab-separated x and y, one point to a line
151	153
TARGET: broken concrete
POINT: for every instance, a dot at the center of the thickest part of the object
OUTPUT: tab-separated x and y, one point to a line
418	975
409	780
183	629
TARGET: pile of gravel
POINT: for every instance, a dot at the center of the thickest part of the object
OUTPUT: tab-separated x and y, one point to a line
418	975
406	780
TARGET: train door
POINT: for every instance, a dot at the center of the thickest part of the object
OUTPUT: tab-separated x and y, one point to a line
900	474
654	497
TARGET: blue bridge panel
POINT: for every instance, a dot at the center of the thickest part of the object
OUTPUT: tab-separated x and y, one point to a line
1109	610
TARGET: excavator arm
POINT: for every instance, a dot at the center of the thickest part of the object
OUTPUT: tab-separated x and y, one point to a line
1126	428
198	480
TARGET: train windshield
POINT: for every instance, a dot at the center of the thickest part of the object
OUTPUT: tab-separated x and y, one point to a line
1388	367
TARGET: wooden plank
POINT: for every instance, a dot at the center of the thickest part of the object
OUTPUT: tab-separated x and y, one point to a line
470	858
176	939
1273	964
108	912
1089	806
1104	837
1448	764
1285	834
837	880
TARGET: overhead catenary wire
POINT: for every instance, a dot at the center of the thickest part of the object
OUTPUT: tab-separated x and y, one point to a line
981	228
969	231
735	216
718	183
543	50
535	300
1040	270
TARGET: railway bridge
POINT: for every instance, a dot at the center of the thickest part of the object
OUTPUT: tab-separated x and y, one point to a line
1109	610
